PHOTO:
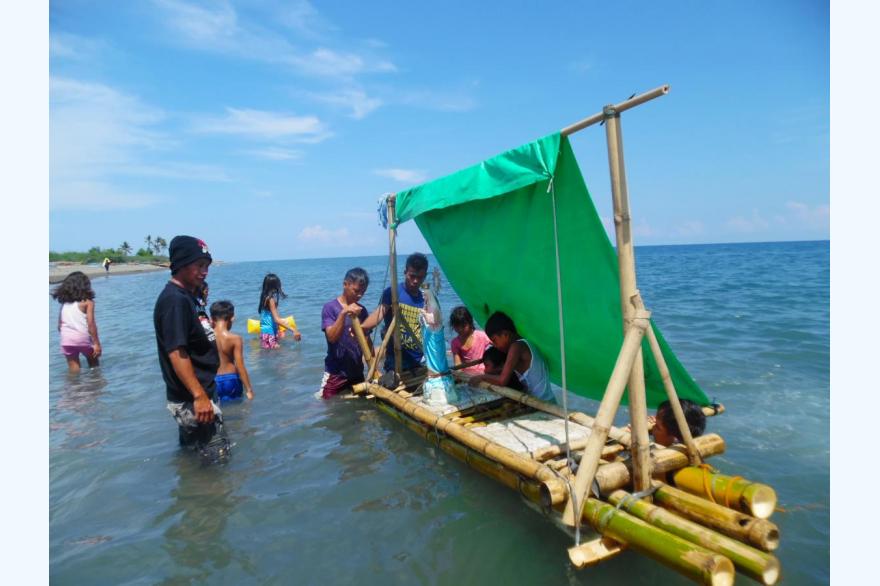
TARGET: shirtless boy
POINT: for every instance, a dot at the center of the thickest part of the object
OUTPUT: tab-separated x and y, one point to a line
232	372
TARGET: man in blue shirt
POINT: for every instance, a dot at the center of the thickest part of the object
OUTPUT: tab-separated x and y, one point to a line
410	300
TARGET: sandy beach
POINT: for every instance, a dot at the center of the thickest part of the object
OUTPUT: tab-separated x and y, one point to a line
57	271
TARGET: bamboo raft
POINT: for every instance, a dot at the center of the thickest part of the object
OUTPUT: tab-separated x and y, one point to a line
609	487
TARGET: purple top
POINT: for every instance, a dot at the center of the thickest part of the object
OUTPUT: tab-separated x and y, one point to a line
344	356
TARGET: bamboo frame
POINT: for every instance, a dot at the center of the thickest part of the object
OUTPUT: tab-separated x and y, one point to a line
619	107
392	254
734	492
380	353
361	338
629	301
668	385
607	409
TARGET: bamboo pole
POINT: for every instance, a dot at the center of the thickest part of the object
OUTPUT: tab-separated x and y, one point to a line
616	475
361	338
392	253
734	492
694	561
760	533
620	107
756	564
380	353
674	403
555	488
630	301
607	409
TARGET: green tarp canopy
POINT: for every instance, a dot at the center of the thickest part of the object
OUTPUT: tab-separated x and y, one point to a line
490	226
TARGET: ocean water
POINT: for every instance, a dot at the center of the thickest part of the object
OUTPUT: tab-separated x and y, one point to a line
335	492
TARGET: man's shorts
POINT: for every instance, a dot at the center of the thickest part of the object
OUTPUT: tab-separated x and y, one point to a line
268	341
333	384
228	386
191	432
74	351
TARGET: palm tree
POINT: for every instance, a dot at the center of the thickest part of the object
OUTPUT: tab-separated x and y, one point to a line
125	248
149	241
161	244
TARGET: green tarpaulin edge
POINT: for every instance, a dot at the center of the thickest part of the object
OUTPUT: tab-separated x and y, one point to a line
490	226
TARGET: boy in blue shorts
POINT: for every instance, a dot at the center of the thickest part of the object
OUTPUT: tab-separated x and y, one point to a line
232	374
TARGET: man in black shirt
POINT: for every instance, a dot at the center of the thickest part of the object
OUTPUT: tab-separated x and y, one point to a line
187	346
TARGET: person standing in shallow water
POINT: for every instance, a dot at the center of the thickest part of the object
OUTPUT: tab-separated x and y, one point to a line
187	345
344	365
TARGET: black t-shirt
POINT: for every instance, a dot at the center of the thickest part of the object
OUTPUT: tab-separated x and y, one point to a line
179	323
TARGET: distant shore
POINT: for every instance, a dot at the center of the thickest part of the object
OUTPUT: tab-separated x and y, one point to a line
59	270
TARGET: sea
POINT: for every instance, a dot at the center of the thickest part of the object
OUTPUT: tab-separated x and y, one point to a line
336	492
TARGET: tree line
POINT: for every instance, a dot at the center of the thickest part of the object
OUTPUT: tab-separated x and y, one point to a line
154	250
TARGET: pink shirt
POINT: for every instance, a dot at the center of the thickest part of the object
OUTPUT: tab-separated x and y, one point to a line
479	342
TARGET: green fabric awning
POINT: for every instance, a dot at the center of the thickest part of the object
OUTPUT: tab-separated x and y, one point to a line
490	226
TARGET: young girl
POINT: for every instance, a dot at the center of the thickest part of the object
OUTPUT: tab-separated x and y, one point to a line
471	343
76	320
270	321
523	359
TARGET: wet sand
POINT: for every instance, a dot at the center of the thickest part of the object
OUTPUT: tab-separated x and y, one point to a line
58	271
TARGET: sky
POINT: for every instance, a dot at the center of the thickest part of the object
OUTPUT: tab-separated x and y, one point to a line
270	129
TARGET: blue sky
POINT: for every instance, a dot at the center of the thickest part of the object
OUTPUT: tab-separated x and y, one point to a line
270	129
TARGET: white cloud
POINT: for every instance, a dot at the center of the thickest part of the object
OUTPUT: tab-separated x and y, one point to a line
809	216
749	224
403	175
96	131
690	229
261	124
220	29
175	170
318	234
276	154
353	99
74	47
434	100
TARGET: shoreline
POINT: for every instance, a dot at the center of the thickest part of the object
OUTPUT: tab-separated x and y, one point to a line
58	271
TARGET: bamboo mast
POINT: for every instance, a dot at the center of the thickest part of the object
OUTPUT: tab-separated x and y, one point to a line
627	268
607	409
380	353
361	338
392	253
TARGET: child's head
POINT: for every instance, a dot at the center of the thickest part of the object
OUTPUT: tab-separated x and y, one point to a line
462	321
501	330
271	288
202	293
666	430
355	283
223	311
75	287
493	359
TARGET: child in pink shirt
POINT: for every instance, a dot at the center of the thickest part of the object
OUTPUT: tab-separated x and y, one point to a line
470	343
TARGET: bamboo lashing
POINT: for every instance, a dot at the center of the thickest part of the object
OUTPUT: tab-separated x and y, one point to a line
630	301
694	561
619	107
734	492
683	427
392	254
361	338
756	564
607	409
760	533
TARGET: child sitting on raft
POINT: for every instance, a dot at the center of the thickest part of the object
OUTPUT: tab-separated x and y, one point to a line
270	321
232	372
523	360
470	344
493	362
76	320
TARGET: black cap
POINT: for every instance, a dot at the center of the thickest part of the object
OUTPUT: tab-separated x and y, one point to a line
184	250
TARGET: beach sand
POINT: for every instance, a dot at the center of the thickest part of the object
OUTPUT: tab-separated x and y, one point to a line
57	271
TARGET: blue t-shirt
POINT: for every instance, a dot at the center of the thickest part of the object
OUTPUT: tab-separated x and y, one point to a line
344	357
411	348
